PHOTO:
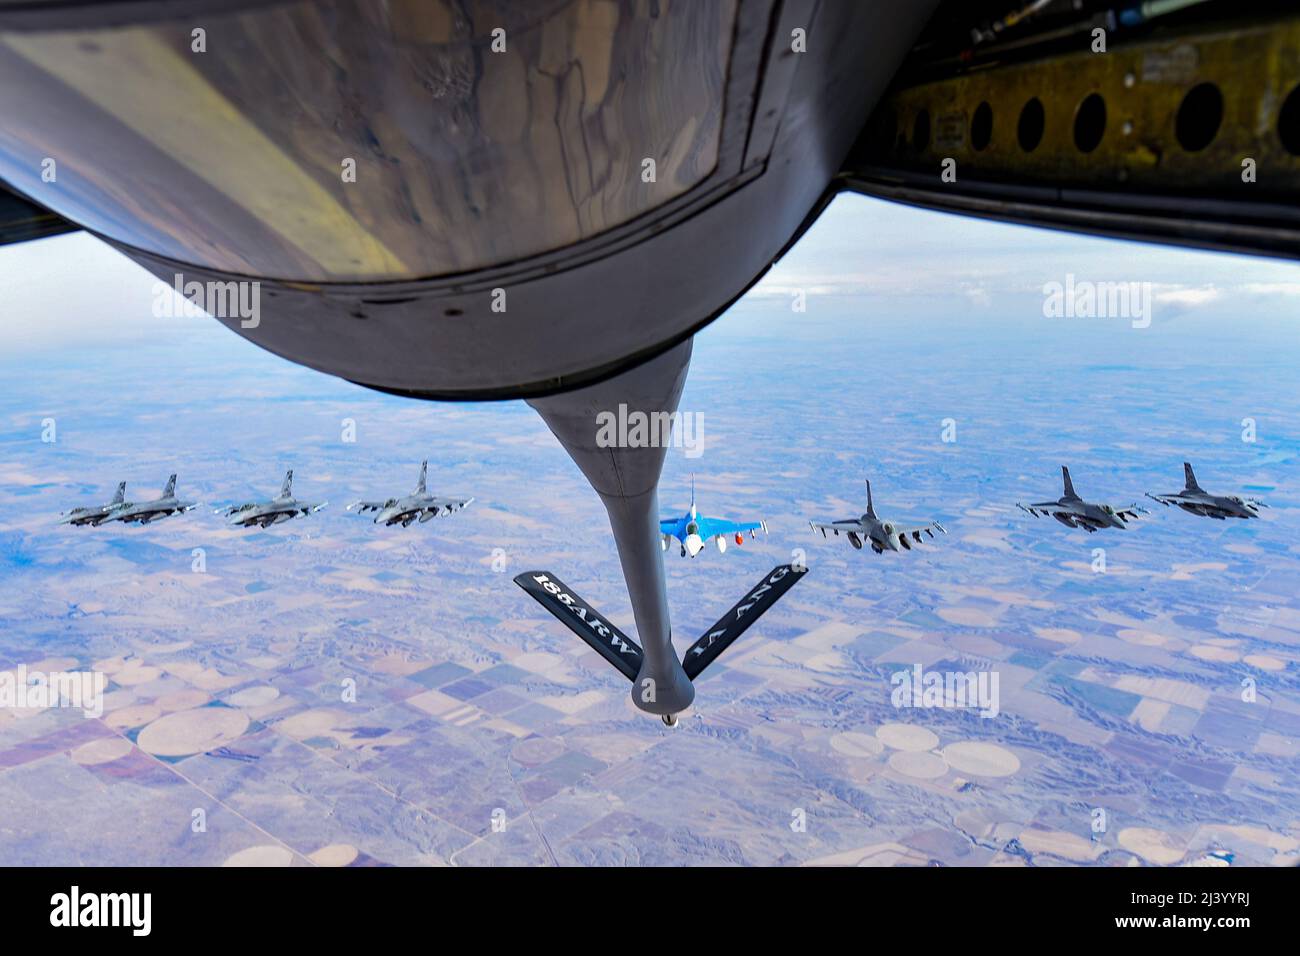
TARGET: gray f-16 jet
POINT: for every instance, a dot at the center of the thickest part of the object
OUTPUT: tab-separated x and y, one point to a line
1074	512
419	505
881	535
1198	501
146	511
279	509
95	515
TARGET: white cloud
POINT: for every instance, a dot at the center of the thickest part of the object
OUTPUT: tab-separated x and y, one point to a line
1188	296
868	248
1272	288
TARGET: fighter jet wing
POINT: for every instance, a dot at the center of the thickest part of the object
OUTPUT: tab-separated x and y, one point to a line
1129	512
448	504
926	529
361	507
712	527
1043	508
672	526
836	527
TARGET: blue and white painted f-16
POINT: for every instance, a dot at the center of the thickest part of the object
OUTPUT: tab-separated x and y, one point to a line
693	530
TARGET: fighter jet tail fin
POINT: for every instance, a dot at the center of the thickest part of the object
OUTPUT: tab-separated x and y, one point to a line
619	650
171	487
424	473
286	487
871	508
735	622
1191	477
1069	485
120	496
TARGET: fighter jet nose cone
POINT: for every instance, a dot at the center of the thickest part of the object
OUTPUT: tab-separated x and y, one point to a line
694	545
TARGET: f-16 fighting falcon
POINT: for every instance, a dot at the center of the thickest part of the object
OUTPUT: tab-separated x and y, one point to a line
693	531
146	511
1198	501
279	509
419	505
881	535
95	515
1074	512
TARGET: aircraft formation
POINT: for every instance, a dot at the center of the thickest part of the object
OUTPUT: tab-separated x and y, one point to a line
128	512
692	531
743	188
419	505
651	672
1074	512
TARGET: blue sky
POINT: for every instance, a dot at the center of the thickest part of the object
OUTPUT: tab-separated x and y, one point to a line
869	247
892	260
